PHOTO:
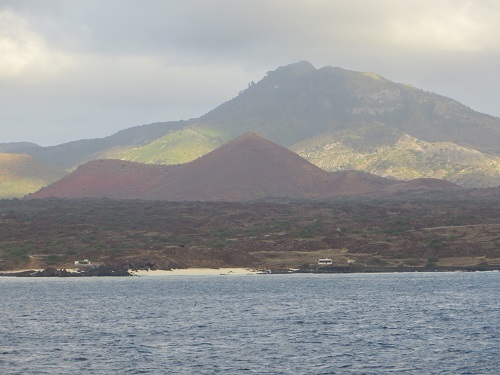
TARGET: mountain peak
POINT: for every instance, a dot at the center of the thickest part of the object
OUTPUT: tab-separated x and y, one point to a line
248	167
249	136
251	139
296	69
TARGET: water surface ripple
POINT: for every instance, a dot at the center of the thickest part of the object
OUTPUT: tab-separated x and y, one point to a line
434	323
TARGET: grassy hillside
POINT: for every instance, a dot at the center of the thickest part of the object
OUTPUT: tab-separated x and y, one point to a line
177	147
21	174
388	152
72	154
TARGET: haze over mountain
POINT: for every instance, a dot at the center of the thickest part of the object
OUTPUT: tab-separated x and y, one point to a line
336	118
21	174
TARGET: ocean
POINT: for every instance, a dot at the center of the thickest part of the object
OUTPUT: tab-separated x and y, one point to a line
404	323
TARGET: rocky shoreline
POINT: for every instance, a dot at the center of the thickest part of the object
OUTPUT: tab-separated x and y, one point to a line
358	269
113	271
87	272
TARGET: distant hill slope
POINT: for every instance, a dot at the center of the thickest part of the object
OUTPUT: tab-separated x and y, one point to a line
385	151
419	184
247	168
114	179
21	174
306	108
352	182
298	101
177	147
72	154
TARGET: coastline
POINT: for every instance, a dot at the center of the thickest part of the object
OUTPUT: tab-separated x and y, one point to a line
195	272
13	272
234	271
106	271
407	269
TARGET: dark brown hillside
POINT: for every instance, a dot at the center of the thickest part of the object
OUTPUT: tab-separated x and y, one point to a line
423	184
489	192
404	231
247	168
114	179
352	183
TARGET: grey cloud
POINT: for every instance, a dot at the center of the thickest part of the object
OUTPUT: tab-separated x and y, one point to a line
159	60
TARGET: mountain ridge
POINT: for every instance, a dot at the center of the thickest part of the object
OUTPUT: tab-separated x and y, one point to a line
297	103
247	168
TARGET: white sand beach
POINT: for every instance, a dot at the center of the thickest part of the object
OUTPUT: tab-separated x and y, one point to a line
196	271
173	272
22	270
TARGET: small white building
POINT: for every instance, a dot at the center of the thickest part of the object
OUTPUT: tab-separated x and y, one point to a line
325	261
84	262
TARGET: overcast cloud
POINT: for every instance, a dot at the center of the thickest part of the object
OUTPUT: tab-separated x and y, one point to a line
72	69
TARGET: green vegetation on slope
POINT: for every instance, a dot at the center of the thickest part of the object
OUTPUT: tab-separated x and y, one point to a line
177	147
387	152
21	174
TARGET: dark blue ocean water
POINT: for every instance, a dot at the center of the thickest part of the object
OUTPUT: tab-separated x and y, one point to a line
432	323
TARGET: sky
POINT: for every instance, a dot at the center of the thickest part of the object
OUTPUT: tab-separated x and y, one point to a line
76	69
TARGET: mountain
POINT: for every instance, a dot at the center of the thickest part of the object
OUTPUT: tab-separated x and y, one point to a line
113	179
336	118
72	154
352	182
384	151
247	168
21	174
298	101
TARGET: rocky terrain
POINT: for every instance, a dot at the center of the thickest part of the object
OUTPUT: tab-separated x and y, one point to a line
418	229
